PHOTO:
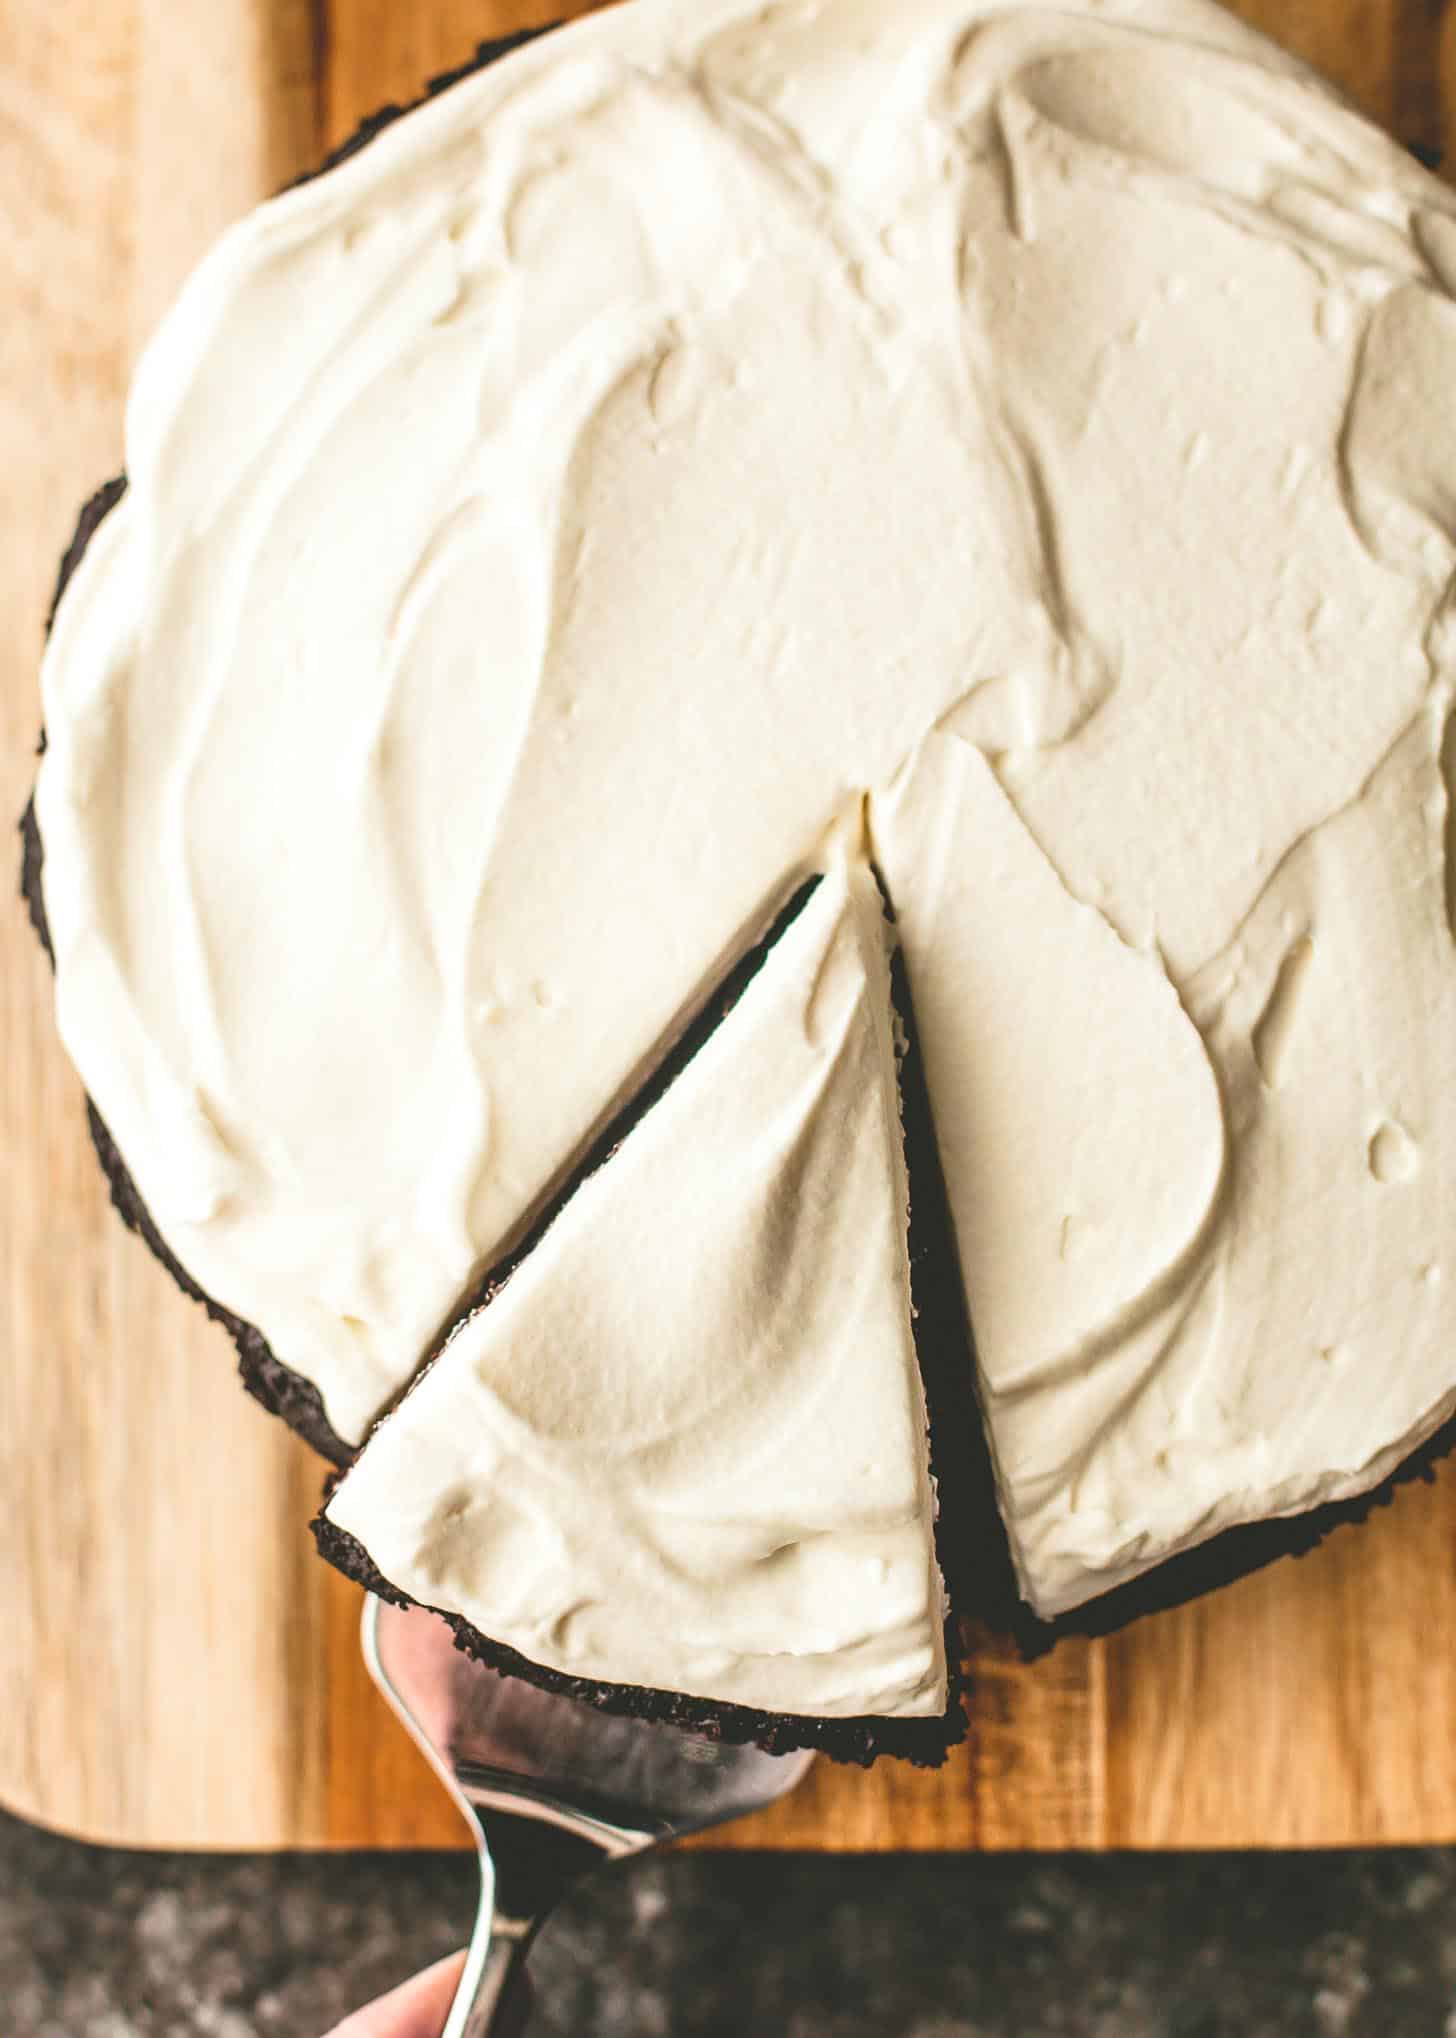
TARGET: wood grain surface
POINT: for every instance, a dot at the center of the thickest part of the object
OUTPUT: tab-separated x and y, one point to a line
175	1666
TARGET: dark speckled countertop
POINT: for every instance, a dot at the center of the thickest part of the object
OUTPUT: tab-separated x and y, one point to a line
99	1944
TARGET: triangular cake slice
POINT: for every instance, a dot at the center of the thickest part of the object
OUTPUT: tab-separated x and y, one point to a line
683	1449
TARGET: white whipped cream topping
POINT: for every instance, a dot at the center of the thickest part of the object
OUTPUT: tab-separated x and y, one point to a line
541	526
1207	1272
684	1445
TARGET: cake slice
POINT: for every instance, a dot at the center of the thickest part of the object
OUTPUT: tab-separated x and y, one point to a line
678	1462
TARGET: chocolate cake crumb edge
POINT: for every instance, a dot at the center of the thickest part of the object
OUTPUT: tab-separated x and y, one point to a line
859	1740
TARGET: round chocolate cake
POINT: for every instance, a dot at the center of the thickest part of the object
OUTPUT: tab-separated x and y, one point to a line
721	544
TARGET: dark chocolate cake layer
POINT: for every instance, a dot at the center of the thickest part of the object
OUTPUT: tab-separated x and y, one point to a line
925	1742
1231	1554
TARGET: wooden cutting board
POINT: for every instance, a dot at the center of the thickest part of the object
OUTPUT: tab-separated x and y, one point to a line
176	1668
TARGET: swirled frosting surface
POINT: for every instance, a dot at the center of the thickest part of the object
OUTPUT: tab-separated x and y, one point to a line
545	524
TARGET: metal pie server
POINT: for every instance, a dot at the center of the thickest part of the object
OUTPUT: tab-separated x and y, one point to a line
549	1786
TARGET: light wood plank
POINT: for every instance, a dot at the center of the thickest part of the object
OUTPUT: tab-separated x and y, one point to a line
1390	56
376	51
149	1598
1446	85
1038	1745
1353	42
1301	1706
1416	111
